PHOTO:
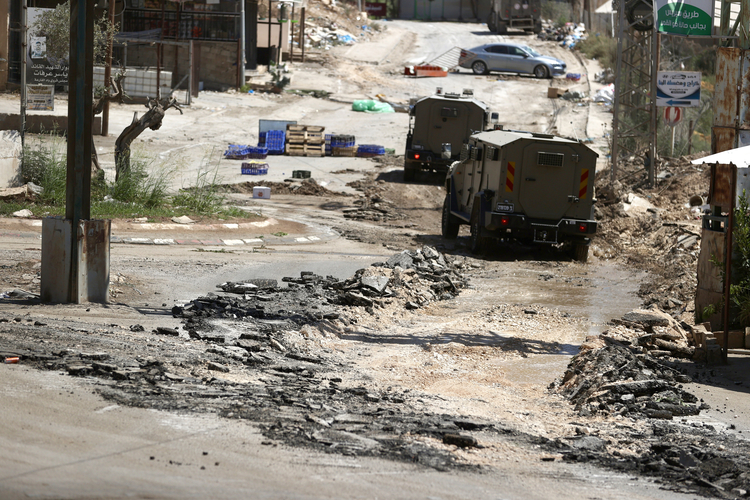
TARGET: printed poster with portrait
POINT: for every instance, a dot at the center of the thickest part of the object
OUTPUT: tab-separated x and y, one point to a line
42	68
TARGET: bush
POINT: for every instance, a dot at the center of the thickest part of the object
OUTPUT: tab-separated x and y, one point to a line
602	48
44	163
137	185
205	196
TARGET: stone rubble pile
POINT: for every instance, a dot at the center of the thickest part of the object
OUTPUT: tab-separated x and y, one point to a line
413	278
625	370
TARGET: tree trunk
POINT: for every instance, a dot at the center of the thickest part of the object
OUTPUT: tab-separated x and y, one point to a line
151	119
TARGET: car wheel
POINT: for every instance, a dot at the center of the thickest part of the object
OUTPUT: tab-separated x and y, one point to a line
541	71
479	68
492	22
449	223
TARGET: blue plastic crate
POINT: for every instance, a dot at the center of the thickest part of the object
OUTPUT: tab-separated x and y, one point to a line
342	141
254	168
236	152
370	150
275	141
262	140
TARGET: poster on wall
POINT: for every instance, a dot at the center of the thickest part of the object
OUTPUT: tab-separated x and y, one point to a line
41	67
40	97
685	17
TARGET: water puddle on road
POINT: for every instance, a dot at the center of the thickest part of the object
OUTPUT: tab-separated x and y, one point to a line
597	293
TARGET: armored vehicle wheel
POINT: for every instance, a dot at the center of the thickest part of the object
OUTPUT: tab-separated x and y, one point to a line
409	171
476	241
580	252
492	22
541	71
479	68
502	28
449	223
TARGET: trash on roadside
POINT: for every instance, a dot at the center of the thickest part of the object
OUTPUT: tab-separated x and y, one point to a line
576	95
606	94
11	360
576	77
370	106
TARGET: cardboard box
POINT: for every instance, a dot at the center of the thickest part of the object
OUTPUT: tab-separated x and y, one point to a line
555	92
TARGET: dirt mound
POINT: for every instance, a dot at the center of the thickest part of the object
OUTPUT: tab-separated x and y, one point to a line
655	228
307	187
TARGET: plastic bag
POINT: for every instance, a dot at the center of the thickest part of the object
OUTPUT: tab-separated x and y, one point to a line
370	106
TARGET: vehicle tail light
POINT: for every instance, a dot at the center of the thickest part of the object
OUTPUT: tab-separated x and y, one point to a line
582	226
416	156
463	53
504	220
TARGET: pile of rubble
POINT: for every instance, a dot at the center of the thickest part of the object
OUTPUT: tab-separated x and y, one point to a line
626	370
308	187
410	279
373	207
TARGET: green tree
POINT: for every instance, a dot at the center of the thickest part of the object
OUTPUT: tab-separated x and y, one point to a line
54	24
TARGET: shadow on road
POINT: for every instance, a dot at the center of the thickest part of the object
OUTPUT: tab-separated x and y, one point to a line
507	343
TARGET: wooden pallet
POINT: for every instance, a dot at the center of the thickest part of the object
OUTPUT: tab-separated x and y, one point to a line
305	150
350	151
304	137
304	128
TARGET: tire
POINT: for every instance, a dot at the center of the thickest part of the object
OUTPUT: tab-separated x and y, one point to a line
541	71
476	240
580	252
537	27
502	28
479	68
450	224
492	22
409	171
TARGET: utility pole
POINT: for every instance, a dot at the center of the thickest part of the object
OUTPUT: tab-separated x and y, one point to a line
108	68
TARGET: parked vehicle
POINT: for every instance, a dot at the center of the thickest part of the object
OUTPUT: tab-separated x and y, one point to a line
438	121
516	14
511	58
534	188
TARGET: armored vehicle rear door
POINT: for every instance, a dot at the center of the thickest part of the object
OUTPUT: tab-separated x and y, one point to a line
553	182
448	123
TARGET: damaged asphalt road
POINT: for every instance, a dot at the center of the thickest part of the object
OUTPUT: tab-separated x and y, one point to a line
253	351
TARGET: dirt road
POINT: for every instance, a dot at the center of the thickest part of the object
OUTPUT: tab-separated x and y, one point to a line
426	375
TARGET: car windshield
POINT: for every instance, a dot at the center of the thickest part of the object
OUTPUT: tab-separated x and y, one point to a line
530	51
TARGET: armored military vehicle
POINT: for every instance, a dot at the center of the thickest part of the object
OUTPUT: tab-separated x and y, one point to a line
516	14
435	122
535	188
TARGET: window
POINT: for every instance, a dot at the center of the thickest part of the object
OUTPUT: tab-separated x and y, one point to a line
550	159
449	112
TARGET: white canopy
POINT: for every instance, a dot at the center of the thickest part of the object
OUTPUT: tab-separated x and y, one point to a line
739	156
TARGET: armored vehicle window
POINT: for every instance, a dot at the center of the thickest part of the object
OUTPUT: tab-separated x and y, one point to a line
464	152
550	159
449	112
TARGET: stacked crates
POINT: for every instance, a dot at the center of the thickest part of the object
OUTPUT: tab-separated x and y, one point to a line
243	152
274	141
305	140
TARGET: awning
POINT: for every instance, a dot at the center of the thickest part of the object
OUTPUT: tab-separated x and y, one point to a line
740	157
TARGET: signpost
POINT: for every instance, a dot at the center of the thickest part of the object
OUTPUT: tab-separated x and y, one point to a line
672	116
678	88
685	17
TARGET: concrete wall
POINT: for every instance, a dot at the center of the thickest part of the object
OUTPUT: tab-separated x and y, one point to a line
216	61
47	123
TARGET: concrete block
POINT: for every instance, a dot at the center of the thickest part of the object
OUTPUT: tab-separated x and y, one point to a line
92	279
713	355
